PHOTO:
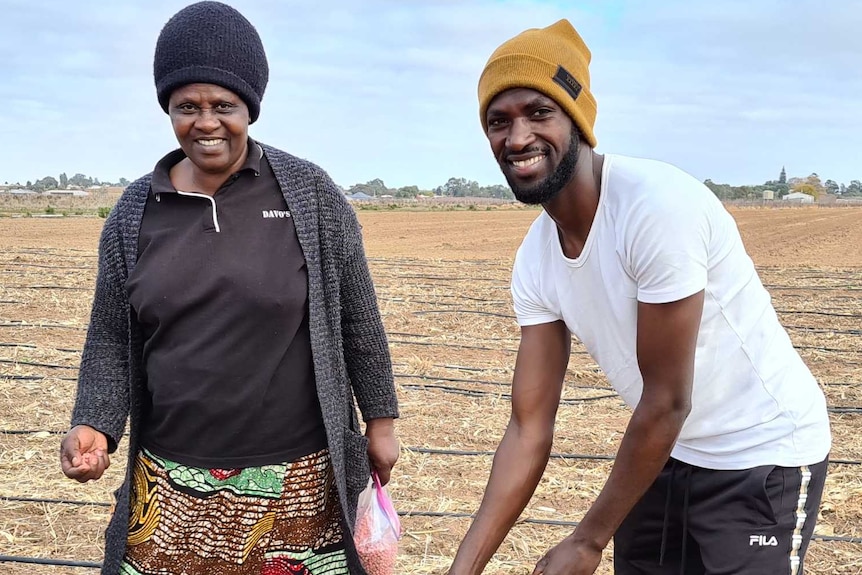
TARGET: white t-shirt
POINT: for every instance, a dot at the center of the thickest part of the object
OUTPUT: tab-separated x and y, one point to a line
660	236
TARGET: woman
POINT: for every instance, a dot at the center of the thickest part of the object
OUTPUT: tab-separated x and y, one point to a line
234	320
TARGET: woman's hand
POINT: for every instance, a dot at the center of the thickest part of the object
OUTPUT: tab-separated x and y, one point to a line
84	453
383	448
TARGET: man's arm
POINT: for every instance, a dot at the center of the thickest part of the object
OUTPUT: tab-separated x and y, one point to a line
666	343
523	453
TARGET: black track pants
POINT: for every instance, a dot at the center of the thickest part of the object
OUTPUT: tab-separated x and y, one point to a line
697	521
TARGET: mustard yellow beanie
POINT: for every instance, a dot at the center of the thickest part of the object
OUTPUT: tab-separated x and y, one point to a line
552	60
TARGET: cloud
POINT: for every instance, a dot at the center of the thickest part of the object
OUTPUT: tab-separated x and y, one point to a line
728	90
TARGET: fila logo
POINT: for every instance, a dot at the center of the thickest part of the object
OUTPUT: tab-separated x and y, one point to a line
762	541
276	214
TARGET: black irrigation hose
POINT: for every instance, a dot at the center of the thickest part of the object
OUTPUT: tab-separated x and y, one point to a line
425	450
41	325
486	382
832	349
52	501
849	287
452	345
600	387
510	316
432	451
29	265
428	450
452	379
821	330
417	301
477	393
457	297
15	377
29	432
403	342
439	278
54	562
37	364
456	515
49	287
440	264
826	313
558	522
472	311
57	252
31	346
579	456
460	346
431	286
443	514
564	401
401	333
34	432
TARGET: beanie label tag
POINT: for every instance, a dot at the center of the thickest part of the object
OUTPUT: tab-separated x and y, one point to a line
568	82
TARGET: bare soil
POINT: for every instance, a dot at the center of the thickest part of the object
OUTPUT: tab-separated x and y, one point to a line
442	282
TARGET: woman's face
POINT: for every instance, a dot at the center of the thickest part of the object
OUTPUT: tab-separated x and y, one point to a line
211	125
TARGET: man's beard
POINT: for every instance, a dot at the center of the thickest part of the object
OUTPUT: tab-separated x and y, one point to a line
547	189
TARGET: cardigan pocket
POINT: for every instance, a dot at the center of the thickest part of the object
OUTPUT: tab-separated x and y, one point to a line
357	465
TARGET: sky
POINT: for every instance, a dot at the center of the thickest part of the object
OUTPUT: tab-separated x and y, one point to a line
727	90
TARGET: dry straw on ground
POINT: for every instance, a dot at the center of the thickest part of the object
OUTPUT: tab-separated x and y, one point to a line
442	281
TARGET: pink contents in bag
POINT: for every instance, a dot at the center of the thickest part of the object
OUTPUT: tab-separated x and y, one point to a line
377	530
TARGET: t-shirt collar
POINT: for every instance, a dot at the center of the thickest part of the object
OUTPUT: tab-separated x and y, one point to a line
161	183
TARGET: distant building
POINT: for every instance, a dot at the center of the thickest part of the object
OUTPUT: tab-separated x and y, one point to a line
21	192
768	195
360	196
67	193
799	198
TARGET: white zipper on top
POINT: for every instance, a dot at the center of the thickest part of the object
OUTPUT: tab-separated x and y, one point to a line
212	201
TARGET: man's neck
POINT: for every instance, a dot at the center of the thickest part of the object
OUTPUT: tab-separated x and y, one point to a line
574	208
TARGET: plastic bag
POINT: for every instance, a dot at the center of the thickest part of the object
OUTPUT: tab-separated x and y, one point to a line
378	529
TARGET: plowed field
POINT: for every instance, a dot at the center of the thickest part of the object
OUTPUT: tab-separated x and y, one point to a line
442	282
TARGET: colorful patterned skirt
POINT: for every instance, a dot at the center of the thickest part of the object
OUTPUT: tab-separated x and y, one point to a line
270	520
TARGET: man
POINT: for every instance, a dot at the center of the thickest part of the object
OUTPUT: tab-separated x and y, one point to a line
723	462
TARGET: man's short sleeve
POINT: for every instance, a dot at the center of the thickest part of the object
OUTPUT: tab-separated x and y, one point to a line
530	306
667	242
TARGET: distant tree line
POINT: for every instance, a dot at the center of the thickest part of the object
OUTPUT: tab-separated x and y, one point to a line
454	187
811	185
462	187
63	182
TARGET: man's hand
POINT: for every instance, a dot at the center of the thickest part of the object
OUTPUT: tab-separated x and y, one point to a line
84	453
383	448
570	557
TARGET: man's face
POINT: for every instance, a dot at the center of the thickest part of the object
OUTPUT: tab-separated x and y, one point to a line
211	125
535	143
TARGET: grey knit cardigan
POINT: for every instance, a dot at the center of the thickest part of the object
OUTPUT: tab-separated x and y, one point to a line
348	343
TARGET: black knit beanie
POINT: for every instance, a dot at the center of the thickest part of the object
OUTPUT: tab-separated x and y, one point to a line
211	43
